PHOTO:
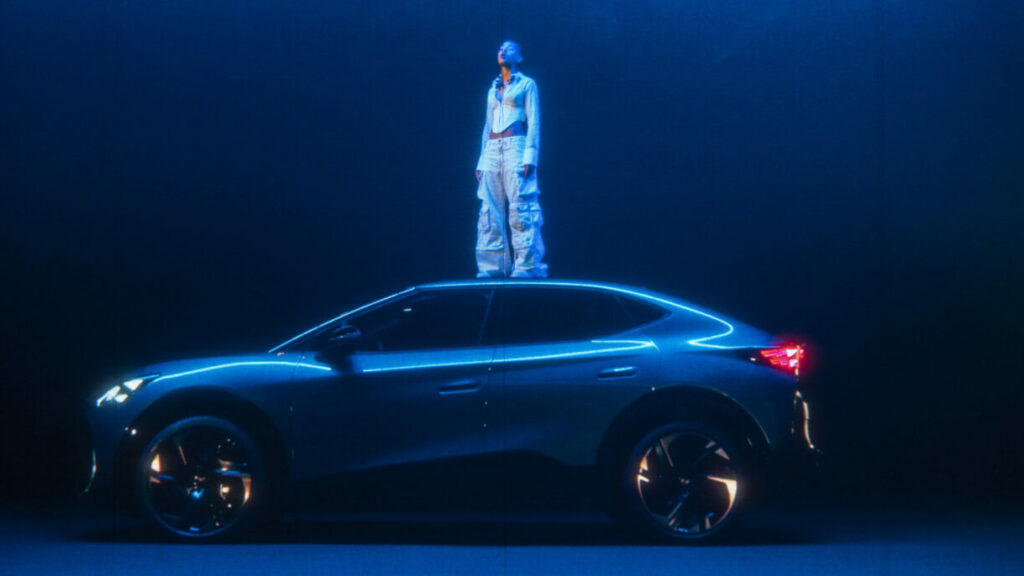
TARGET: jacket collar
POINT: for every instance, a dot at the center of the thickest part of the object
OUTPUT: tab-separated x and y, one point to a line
511	79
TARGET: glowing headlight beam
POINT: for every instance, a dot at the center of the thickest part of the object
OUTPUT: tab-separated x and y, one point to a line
124	390
108	396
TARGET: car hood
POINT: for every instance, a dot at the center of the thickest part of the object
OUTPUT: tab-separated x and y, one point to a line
179	368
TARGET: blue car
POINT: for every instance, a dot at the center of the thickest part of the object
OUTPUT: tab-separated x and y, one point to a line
662	410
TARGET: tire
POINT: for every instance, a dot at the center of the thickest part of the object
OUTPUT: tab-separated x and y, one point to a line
683	482
202	479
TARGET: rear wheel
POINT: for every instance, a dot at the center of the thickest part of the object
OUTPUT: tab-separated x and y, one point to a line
202	478
683	482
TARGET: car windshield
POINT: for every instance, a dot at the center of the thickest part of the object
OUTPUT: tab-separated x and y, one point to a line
299	342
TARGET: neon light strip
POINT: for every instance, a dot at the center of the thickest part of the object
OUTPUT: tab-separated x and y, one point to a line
635	345
349	313
695	342
235	364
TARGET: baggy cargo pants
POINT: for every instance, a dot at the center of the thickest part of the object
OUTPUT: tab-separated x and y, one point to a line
508	230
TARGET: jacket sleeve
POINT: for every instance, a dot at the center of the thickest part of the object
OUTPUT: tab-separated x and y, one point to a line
532	109
487	130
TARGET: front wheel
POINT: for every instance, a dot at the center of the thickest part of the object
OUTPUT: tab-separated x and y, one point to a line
201	478
683	482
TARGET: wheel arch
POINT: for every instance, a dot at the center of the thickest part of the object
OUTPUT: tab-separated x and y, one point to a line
681	403
181	404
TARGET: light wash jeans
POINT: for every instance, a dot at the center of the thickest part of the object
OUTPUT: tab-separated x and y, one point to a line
508	204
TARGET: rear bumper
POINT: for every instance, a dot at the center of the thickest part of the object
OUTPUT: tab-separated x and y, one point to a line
794	463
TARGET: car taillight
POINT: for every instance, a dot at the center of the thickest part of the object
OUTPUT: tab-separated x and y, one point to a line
784	357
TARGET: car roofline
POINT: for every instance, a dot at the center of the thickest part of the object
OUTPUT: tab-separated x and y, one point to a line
663	300
643	293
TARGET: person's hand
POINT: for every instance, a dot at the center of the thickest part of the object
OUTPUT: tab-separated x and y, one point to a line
528	169
479	175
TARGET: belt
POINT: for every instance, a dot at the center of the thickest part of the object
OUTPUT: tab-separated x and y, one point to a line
517	129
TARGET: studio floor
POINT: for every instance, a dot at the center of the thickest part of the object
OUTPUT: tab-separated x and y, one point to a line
772	539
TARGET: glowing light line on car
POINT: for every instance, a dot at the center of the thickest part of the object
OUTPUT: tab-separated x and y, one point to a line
702	342
237	364
339	317
695	342
631	345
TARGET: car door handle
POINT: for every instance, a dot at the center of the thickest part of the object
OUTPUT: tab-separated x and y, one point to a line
617	372
469	385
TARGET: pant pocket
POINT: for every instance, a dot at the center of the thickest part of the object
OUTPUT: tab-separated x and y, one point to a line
527	186
488	230
524	218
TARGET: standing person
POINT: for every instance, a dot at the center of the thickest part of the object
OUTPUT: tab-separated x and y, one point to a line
507	176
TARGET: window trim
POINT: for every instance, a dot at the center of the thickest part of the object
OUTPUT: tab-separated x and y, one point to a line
500	340
397	300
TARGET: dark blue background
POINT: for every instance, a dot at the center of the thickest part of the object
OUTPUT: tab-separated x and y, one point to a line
187	178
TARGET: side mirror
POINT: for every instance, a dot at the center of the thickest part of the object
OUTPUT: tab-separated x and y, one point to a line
340	343
343	332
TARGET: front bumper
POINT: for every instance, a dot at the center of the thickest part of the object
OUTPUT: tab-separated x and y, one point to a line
100	436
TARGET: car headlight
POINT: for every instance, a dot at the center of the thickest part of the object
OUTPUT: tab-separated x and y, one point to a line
118	394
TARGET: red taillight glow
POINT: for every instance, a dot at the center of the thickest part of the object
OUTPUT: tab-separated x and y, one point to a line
785	357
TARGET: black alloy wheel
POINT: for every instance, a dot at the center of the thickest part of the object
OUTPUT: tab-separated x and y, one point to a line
201	478
683	482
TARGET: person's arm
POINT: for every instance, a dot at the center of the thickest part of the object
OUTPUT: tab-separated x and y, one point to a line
485	135
532	109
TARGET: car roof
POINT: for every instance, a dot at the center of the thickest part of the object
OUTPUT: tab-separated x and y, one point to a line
644	293
533	282
666	301
734	327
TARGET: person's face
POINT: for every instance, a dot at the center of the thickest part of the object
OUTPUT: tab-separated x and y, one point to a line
509	54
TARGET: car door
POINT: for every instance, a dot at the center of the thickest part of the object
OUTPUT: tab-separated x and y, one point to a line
406	385
570	360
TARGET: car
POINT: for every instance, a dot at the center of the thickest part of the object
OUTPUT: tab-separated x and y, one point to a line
665	412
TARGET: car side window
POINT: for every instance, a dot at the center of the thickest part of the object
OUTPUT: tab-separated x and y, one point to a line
534	315
641	312
432	319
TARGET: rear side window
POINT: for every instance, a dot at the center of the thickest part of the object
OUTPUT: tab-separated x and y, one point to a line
641	312
534	315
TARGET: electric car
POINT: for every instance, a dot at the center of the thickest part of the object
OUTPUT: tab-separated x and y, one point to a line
663	411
